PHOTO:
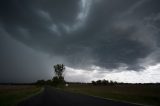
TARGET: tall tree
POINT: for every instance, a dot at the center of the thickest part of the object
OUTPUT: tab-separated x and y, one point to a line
58	78
59	69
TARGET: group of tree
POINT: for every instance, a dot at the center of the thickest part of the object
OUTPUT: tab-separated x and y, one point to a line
104	82
110	82
58	79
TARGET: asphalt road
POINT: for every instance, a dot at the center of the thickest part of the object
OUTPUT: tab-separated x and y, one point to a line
53	97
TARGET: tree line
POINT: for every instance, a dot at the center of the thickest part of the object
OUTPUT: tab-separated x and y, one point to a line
104	82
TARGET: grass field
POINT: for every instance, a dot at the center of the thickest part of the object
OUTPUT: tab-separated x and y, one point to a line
143	94
10	95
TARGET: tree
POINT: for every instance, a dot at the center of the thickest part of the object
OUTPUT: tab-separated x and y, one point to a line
58	78
105	82
98	82
59	69
93	82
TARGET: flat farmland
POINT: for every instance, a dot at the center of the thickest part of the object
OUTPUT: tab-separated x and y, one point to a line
10	95
141	94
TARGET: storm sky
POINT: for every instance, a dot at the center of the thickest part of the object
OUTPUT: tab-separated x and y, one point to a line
95	39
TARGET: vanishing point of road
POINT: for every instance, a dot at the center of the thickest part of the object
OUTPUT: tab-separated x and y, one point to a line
54	97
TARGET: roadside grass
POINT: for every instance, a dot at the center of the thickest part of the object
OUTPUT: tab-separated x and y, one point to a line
141	94
11	95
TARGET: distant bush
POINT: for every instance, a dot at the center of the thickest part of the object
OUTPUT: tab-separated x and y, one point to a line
58	81
41	82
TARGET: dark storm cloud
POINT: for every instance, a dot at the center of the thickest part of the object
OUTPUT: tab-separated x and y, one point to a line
104	33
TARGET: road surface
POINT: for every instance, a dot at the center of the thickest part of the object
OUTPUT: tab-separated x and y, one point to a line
53	97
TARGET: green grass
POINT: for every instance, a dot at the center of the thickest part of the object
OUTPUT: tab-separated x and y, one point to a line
142	94
11	95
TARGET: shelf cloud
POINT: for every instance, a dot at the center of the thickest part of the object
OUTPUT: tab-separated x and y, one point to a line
79	33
